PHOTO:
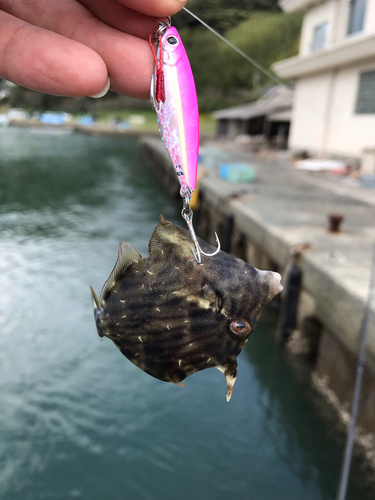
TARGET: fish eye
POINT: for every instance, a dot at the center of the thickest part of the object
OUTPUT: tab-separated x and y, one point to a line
208	292
172	40
240	328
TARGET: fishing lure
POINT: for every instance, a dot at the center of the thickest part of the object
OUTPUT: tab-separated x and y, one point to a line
174	98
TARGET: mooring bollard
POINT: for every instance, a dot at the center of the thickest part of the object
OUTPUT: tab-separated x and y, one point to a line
289	309
335	221
226	243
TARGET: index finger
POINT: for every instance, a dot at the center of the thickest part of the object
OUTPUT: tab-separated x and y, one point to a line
156	8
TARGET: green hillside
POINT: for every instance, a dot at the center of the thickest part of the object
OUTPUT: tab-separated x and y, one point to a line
222	76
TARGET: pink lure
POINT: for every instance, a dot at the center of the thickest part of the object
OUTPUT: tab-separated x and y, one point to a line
177	108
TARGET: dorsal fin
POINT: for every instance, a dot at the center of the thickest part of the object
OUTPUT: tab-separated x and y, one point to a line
167	235
127	255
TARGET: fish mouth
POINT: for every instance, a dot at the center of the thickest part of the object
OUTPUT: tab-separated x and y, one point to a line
277	278
274	281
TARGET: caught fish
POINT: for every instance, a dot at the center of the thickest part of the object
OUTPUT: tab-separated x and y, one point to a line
171	316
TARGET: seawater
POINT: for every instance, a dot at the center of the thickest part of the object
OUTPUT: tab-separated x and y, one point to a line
77	420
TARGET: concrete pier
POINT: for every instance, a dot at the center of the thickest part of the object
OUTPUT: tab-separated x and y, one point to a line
283	217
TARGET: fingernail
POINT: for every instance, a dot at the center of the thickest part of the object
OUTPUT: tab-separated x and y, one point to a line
103	92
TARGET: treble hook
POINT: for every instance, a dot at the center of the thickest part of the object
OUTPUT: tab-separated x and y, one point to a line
187	214
164	23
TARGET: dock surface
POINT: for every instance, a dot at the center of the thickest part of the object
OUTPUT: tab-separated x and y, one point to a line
286	207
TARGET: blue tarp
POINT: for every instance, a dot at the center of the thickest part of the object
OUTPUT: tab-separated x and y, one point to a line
237	172
53	118
85	120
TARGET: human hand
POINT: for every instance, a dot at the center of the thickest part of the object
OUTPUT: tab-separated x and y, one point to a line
72	47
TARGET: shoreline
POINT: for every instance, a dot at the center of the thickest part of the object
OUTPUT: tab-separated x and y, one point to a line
96	129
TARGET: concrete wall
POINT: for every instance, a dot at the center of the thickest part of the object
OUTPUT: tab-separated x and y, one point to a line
348	132
309	113
324	120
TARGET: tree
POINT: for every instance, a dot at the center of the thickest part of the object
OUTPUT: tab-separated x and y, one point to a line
222	14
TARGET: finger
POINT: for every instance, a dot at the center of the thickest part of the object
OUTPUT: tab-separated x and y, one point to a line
40	60
128	59
122	18
155	8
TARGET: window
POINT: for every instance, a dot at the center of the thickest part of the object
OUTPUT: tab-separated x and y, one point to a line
356	16
366	93
320	35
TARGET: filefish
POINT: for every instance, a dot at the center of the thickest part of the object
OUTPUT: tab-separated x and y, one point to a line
171	316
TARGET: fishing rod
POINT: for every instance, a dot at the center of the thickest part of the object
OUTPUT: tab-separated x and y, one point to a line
358	383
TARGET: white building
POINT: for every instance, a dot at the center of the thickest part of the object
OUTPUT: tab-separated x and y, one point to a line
334	72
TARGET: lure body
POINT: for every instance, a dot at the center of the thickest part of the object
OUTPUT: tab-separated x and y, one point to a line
177	110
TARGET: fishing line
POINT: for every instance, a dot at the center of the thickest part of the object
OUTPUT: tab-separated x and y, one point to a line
252	61
243	54
358	382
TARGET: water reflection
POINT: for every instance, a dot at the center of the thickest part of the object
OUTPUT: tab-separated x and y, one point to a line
300	422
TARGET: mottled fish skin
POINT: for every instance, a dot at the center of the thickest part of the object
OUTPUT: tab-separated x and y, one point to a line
171	317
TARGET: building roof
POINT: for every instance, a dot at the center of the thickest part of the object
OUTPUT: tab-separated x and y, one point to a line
277	99
348	53
297	5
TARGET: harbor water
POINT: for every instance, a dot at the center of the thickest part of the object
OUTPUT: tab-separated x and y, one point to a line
77	419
